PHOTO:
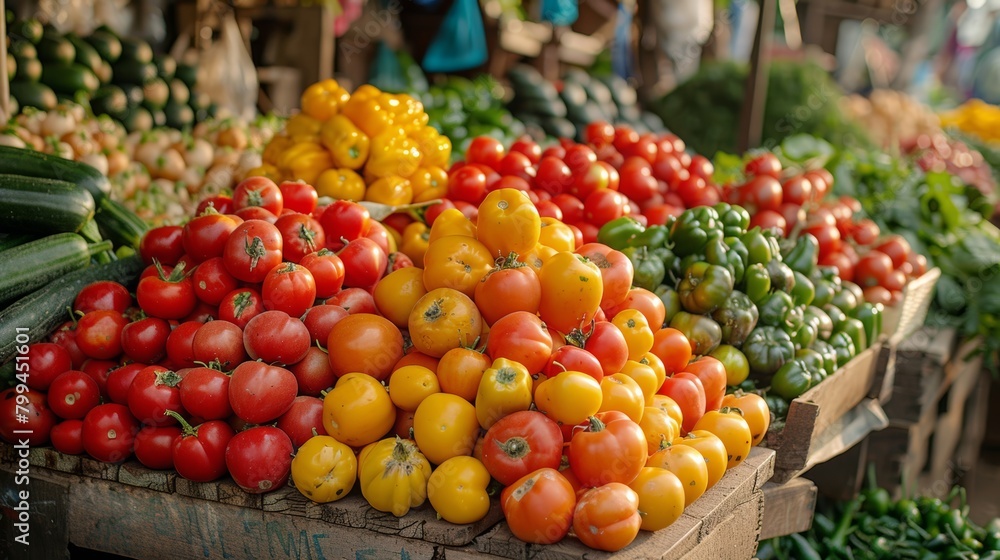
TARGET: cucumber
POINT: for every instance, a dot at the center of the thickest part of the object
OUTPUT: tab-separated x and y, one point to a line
104	72
28	69
46	206
179	115
69	78
55	49
29	163
106	45
23	49
133	94
31	94
42	310
132	72
119	224
28	29
86	55
11	240
166	66
136	50
155	94
27	267
179	92
187	73
137	118
8	375
159	117
109	100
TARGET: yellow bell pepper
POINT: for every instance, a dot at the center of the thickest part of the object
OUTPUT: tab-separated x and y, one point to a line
394	475
324	469
457	490
365	111
505	388
305	161
323	99
303	128
392	190
347	144
341	184
276	147
556	235
392	153
428	177
407	112
451	222
435	147
266	170
416	238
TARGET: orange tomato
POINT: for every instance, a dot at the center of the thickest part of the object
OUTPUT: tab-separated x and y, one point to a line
616	272
508	222
397	294
444	319
539	506
367	343
672	348
460	371
510	286
410	385
659	427
669	406
729	426
755	412
620	392
687	464
557	235
607	517
711	448
414	358
456	261
571	291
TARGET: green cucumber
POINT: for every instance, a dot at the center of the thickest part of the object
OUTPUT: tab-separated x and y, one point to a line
155	93
38	313
28	69
109	100
179	92
55	49
33	265
179	116
69	78
136	50
28	29
31	94
11	240
187	73
119	224
104	72
166	66
29	163
127	71
23	50
86	55
106	45
45	206
137	118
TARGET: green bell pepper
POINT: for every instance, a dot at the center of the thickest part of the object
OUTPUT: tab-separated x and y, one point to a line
618	232
774	309
856	330
782	277
758	247
704	333
804	336
767	349
846	300
647	268
870	315
829	355
671	302
804	256
791	380
735	219
737	316
690	232
653	237
814	361
777	405
704	287
836	315
820	320
843	345
686	262
804	292
824	291
756	282
730	253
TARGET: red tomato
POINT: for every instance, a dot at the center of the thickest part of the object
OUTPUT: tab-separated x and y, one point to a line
255	213
253	249
204	393
211	281
300	235
46	361
435	210
260	393
303	420
99	370
154	446
539	506
220	203
258	192
599	133
828	237
15	407
865	232
897	248
327	270
667	168
65	337
553	176
145	340
343	221
521	443
260	459
120	379
607	343
298	196
354	301
660	213
821	181
549	209
712	374
102	295
153	392
205	237
313	374
610	448
167	295
467	183
364	263
516	164
219	341
109	433
164	244
797	190
201	456
702	167
570	206
873	269
485	150
604	205
180	344
845	268
72	394
625	137
67	437
646	302
320	319
525	145
572	358
764	164
274	336
520	336
672	348
239	306
638	183
616	271
688	392
769	219
99	334
762	192
289	287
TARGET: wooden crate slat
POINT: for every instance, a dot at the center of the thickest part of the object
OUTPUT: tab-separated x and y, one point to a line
788	508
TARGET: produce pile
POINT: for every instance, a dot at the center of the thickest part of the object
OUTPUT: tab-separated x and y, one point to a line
873	526
159	174
117	77
891	117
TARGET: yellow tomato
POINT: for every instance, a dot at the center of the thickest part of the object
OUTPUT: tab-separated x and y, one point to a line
652	360
505	388
537	257
508	222
732	429
661	497
451	222
460	371
644	376
444	319
391	190
659	427
410	385
571	291
428	178
620	392
457	490
324	469
415	241
711	448
669	406
638	336
341	184
323	99
556	235
358	410
569	398
394	476
456	262
687	464
397	294
445	426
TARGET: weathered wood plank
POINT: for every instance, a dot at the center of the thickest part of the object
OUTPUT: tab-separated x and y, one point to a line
201	490
45	508
52	459
96	469
736	537
134	474
788	508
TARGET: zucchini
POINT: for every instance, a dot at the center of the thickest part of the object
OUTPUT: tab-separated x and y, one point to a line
55	49
137	118
31	94
29	163
179	92
106	45
46	206
11	240
166	66
155	93
23	49
8	375
136	50
42	310
179	116
27	267
132	72
69	78
109	100
104	73
28	29
119	224
28	69
187	73
86	55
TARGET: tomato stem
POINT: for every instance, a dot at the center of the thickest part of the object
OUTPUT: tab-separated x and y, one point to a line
515	448
186	428
595	424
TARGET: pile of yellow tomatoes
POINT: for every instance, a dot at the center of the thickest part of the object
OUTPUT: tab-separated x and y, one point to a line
508	354
369	145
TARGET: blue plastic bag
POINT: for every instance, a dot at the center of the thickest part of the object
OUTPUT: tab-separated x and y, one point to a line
460	43
560	12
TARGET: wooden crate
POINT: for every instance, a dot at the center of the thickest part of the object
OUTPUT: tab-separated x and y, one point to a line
919	379
816	410
788	508
131	511
908	316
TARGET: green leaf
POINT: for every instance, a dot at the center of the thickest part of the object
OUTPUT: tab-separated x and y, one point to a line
728	169
805	150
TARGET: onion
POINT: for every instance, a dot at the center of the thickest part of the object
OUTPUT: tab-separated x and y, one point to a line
118	162
12	140
57	123
97	161
199	153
